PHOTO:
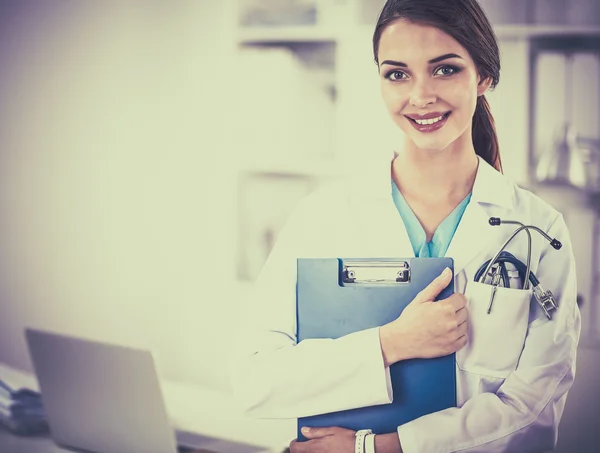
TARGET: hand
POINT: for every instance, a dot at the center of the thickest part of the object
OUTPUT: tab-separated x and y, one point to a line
325	440
427	329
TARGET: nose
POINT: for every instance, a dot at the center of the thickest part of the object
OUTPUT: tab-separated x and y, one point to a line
422	94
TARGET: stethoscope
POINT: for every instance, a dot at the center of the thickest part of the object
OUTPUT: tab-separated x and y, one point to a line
496	269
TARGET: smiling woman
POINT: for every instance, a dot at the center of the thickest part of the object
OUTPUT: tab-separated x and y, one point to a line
456	78
436	59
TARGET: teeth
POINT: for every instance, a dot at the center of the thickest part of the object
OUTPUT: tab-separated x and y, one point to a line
429	121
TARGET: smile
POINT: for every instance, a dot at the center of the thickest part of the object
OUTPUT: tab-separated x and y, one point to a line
429	124
431	121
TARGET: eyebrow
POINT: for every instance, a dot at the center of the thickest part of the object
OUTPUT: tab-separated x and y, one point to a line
433	60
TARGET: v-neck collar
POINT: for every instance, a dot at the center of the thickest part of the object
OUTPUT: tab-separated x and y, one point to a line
369	190
443	234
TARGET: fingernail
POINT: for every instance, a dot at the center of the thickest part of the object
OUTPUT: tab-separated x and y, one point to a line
305	429
446	273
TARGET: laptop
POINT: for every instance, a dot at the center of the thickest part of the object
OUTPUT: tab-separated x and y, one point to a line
103	398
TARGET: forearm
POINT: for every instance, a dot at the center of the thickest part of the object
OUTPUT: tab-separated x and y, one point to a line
313	377
516	418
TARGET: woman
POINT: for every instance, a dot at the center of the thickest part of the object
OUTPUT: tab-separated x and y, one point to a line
436	60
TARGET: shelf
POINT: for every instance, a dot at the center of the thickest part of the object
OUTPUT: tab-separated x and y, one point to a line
292	167
278	35
532	31
320	35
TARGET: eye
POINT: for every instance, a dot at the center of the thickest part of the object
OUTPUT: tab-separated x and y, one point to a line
395	75
447	70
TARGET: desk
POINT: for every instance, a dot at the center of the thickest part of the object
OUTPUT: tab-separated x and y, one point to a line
191	408
10	443
214	413
15	444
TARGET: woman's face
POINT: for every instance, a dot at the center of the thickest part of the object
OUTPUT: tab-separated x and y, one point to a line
429	84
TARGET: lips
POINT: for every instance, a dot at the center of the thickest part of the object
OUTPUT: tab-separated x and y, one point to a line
430	116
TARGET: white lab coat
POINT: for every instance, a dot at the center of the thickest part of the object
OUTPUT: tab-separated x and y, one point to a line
512	377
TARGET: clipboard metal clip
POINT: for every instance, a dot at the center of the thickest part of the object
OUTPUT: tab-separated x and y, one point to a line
376	272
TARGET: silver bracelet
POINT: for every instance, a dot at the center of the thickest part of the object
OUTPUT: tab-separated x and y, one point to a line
370	443
359	444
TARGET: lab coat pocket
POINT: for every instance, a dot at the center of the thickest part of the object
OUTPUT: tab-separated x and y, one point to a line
495	340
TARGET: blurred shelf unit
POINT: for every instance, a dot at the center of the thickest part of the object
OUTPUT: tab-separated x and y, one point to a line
306	97
294	24
317	168
286	35
553	17
295	37
525	31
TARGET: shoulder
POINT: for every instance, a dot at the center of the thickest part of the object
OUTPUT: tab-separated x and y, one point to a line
529	207
505	198
527	200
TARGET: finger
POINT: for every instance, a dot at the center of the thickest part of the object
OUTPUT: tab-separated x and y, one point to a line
462	329
315	433
462	315
300	447
457	301
461	342
431	291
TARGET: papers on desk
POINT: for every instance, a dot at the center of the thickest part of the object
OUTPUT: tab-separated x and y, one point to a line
21	409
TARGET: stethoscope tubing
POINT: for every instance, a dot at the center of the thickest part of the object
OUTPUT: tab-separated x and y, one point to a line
528	271
515	233
507	257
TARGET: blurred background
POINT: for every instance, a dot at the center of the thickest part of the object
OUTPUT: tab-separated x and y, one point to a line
151	151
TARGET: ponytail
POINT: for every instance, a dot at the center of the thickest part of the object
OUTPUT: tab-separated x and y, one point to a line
485	140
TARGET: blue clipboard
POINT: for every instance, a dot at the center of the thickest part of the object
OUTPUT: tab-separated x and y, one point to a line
336	297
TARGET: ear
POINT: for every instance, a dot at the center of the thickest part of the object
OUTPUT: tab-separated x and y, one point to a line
483	85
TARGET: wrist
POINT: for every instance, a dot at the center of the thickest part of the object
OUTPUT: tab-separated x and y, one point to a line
387	443
393	347
387	345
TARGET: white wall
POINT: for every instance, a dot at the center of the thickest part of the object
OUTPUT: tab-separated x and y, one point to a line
113	177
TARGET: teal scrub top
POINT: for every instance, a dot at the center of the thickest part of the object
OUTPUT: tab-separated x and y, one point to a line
444	233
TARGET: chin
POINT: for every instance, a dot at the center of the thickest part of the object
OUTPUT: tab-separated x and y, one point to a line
431	141
430	144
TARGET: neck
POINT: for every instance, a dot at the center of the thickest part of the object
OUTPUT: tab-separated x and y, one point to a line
447	175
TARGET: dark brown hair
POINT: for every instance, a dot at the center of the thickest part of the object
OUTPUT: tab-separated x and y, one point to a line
467	23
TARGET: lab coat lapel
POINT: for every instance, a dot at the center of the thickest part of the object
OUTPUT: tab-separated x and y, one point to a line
474	235
386	235
471	237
